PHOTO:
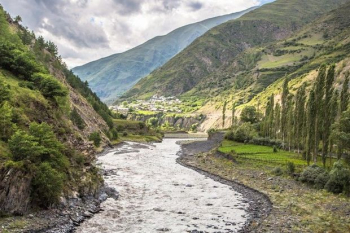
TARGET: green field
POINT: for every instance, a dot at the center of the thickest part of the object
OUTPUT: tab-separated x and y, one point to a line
262	155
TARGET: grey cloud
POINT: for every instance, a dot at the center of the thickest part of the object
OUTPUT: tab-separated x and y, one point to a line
86	35
126	7
171	4
195	6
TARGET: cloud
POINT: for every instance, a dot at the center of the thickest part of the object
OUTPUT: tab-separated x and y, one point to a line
195	6
86	30
126	7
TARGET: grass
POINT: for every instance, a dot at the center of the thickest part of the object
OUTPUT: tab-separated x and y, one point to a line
262	155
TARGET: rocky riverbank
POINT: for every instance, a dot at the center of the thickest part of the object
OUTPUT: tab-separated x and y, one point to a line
260	205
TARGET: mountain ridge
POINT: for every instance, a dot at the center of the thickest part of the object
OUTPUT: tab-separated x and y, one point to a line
218	48
110	76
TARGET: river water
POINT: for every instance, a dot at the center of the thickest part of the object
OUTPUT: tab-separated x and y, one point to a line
159	195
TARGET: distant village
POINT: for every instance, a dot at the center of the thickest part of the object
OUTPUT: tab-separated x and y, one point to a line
155	104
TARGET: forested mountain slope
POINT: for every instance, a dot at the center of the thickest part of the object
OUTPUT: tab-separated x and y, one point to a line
47	118
219	60
111	76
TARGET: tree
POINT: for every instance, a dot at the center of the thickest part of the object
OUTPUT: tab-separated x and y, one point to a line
18	19
47	185
76	119
233	123
50	87
7	127
52	48
344	95
299	116
24	146
277	123
327	112
4	92
319	107
310	128
96	138
284	102
344	102
249	114
224	114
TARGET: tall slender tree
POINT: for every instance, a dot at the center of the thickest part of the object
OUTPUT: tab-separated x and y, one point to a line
311	115
224	114
318	108
344	103
233	123
327	112
284	103
277	121
299	116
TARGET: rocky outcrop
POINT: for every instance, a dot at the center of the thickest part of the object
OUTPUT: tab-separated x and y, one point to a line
179	122
14	191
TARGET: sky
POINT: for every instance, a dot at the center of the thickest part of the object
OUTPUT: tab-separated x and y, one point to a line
86	30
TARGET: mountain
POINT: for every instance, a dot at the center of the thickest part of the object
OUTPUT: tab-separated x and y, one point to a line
111	76
220	60
48	119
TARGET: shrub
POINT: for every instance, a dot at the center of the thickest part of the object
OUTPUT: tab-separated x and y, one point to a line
310	174
339	179
125	134
290	168
244	133
96	138
277	171
77	120
229	136
114	134
47	185
321	180
275	149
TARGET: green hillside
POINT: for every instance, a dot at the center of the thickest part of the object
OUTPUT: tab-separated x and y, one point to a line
112	76
47	117
224	59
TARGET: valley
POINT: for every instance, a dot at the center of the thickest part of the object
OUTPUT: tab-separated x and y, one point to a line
238	123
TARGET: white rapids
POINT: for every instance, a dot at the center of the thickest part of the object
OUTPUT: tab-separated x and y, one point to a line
159	195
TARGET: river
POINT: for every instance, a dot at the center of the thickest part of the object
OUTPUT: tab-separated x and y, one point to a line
159	195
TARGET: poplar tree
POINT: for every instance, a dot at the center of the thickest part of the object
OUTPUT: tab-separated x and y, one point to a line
277	119
284	102
224	114
344	96
311	115
334	112
344	102
233	123
327	112
299	116
290	122
318	107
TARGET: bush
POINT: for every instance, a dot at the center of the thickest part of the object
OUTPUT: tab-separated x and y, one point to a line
244	133
310	174
77	120
230	136
96	138
277	171
339	179
290	168
125	134
275	149
321	180
47	185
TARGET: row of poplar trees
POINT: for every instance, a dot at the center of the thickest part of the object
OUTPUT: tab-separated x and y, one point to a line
307	122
